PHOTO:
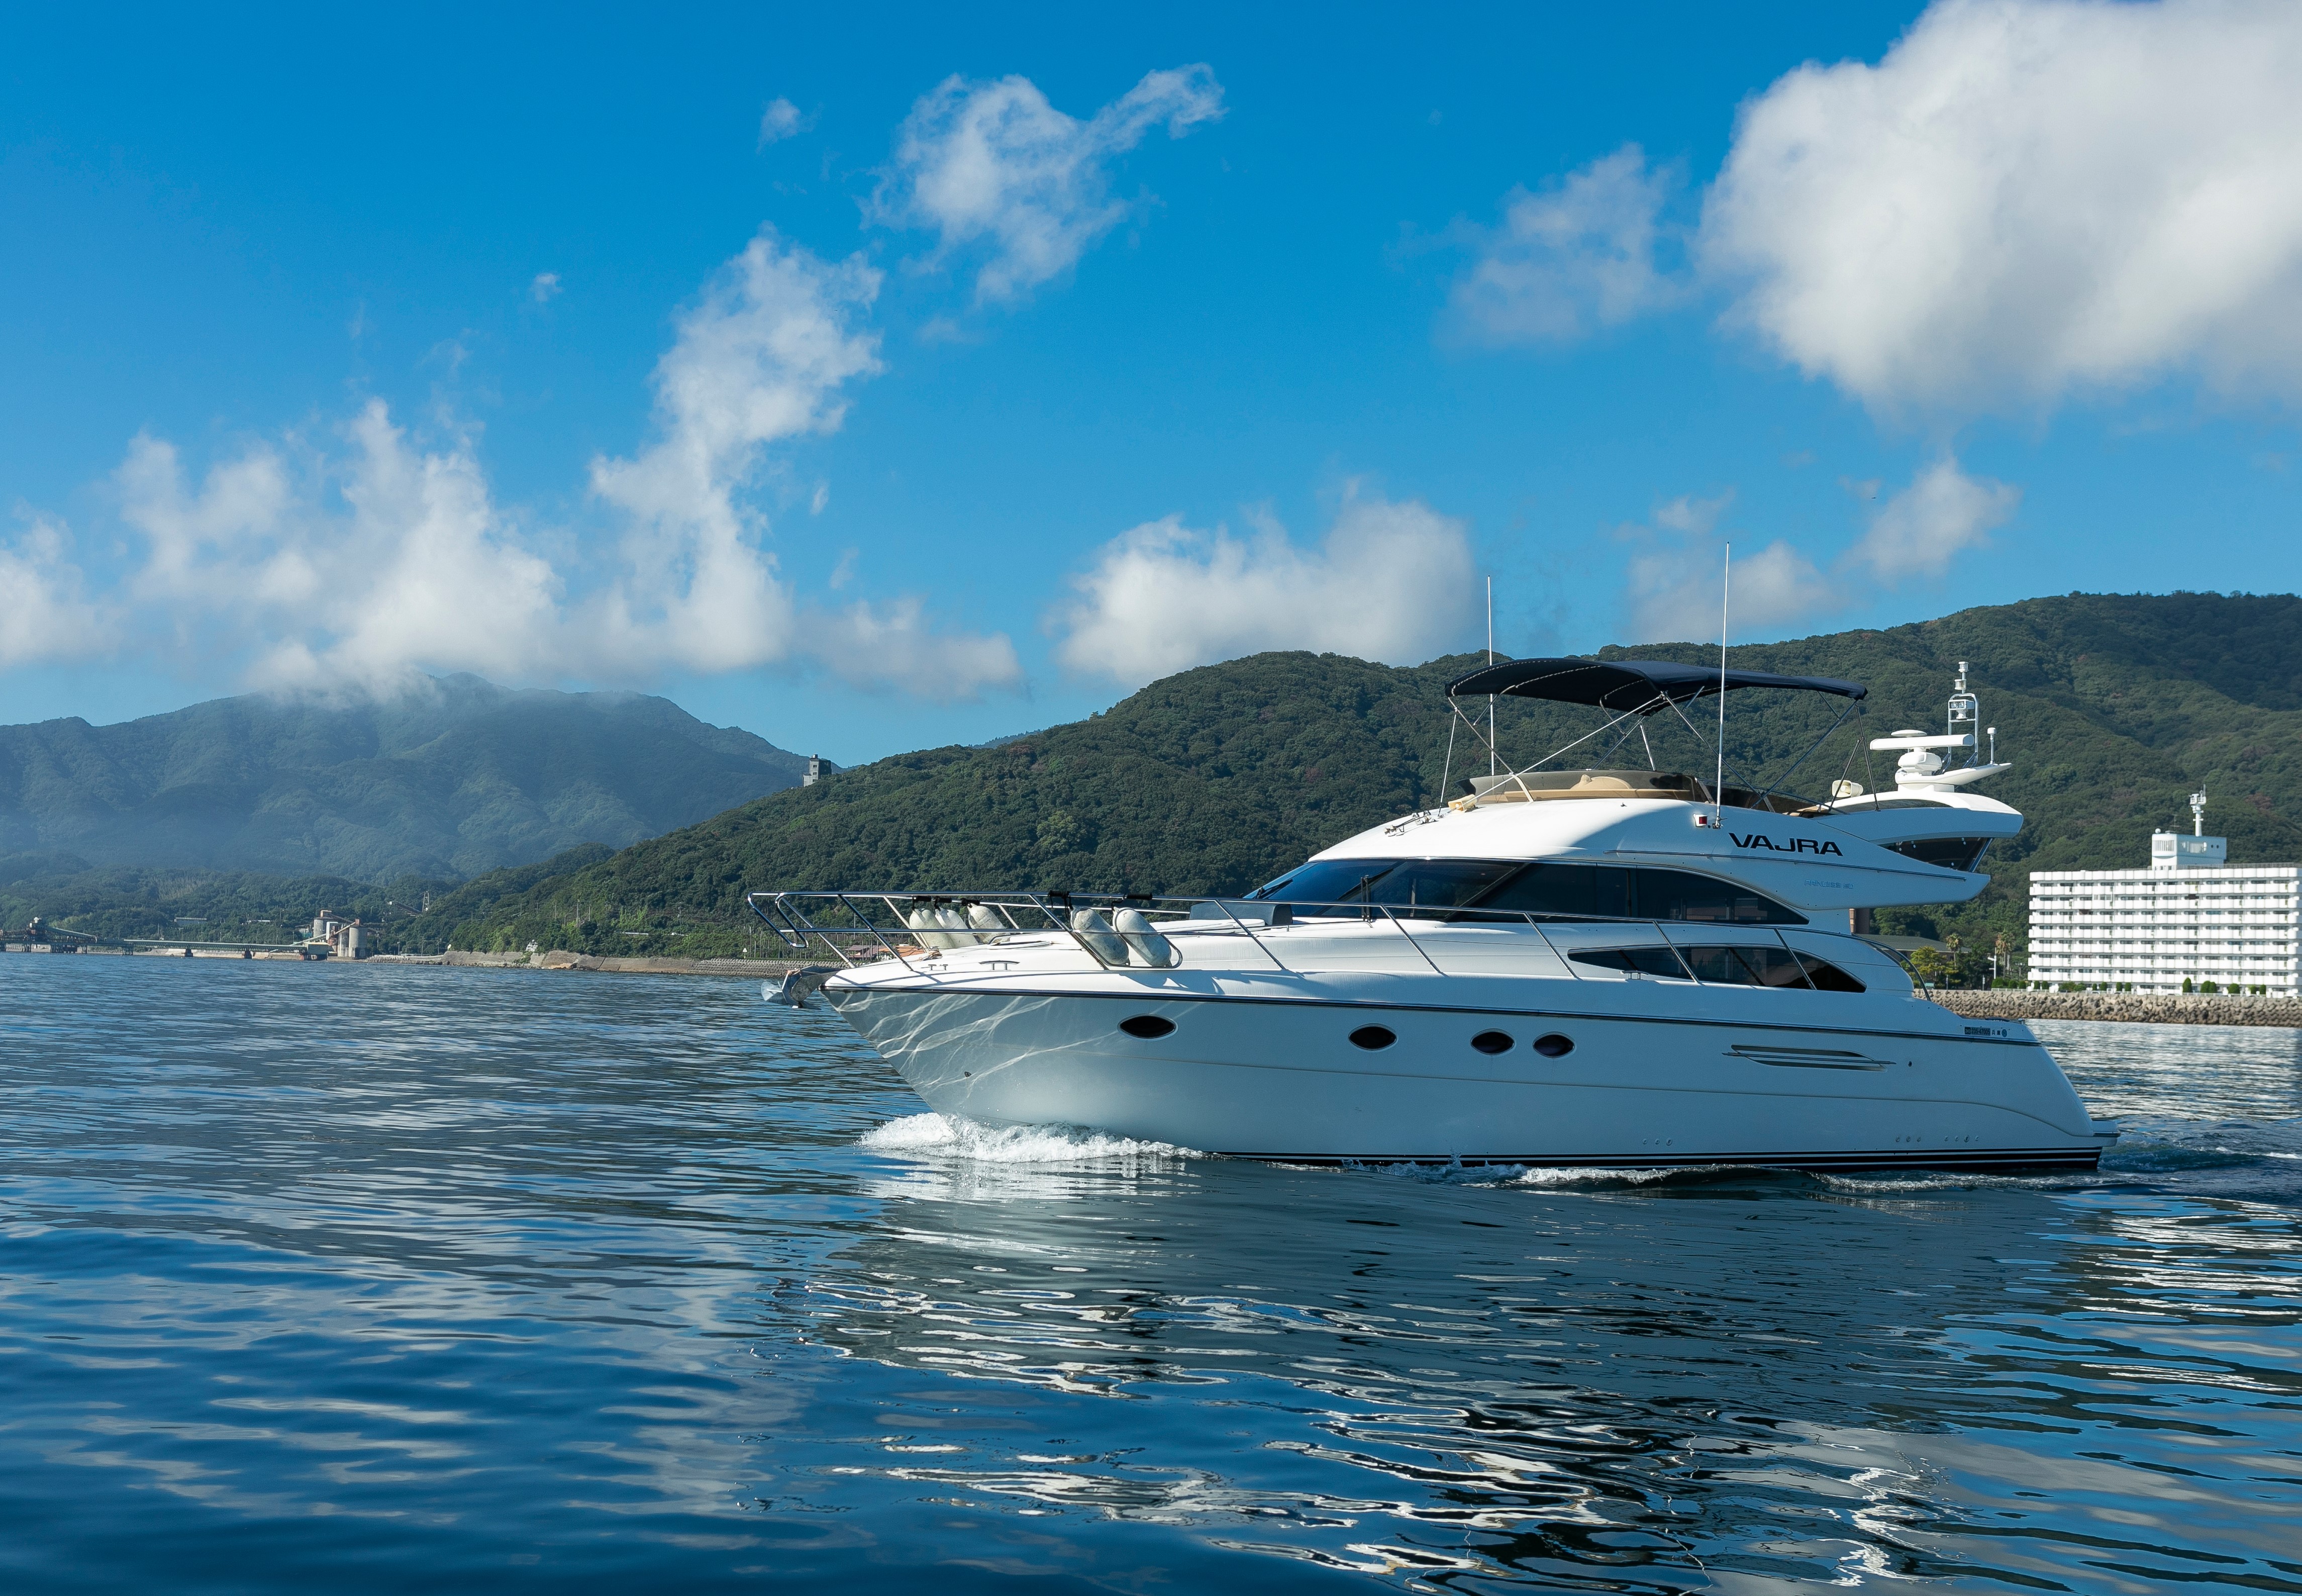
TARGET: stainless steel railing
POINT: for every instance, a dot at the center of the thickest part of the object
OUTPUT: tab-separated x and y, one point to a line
843	922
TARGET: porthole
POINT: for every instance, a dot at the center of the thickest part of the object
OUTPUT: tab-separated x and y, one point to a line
1149	1027
1554	1045
1372	1037
1492	1041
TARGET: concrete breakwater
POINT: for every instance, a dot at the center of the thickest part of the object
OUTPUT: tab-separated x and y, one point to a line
2135	1008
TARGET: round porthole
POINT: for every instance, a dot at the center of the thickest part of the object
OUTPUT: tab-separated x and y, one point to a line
1372	1037
1149	1027
1554	1045
1492	1041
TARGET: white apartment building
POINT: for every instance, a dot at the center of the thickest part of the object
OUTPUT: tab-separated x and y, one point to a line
2188	916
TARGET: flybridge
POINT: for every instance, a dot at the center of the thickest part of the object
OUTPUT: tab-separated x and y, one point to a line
1631	692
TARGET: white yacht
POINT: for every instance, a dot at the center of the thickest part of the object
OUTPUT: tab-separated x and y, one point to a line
1600	967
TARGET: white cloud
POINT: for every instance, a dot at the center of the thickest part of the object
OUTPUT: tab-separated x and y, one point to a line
996	162
44	617
1688	514
1671	586
780	120
1571	259
545	287
2029	198
1674	594
1392	581
895	646
1923	528
416	569
362	559
761	357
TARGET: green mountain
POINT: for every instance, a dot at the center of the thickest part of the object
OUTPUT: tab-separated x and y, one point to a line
2110	709
453	778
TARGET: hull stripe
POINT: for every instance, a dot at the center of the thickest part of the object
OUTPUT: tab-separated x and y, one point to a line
1379	1006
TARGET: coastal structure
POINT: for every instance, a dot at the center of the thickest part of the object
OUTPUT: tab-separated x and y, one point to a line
344	938
2191	921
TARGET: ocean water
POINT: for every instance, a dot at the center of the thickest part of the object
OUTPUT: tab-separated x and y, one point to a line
366	1279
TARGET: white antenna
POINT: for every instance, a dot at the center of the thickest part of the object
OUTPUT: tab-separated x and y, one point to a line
1725	579
2198	814
1491	659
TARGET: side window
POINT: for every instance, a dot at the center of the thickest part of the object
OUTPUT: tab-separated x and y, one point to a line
1828	977
1658	961
1548	889
1679	894
1741	966
1440	883
1720	966
1950	853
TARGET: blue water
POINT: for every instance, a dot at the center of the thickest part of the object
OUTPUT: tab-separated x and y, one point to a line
319	1277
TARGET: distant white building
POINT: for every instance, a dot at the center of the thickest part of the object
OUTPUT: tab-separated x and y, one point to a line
2190	916
814	770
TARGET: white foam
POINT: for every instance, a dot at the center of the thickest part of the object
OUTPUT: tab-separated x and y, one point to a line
956	1136
1604	1176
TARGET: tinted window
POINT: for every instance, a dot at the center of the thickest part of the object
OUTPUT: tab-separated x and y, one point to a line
1423	883
1828	977
1641	961
1550	889
1509	886
1443	883
1745	966
1950	853
1324	881
1677	894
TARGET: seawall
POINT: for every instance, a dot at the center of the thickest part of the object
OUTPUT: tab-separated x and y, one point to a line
2133	1007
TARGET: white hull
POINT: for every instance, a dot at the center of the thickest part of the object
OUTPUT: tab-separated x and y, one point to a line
1659	1073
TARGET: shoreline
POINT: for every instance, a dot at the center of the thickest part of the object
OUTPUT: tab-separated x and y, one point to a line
561	959
2130	1008
2000	1003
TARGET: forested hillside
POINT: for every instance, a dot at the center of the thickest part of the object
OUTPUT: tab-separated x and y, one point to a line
445	780
2111	709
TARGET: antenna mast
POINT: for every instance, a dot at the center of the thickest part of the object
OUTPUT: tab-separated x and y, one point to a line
1725	580
1491	659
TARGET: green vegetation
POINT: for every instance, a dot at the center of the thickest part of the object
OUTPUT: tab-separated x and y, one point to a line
2110	708
234	906
453	778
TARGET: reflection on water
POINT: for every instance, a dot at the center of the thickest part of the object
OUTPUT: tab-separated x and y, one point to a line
397	1277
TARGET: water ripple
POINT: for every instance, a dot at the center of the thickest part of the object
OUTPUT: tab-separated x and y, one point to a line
386	1278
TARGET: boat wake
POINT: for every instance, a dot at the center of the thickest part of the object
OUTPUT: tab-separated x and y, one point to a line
953	1136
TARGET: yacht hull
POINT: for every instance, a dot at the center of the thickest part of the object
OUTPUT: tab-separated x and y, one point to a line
1882	1083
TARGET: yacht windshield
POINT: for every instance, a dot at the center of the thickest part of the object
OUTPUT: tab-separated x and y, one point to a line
1425	883
1514	886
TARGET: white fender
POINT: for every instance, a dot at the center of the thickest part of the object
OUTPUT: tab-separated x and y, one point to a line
1096	931
1144	942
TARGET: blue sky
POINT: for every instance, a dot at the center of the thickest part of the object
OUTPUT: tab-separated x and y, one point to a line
895	381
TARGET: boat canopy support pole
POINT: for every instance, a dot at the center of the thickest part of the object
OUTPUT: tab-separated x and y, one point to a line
1840	720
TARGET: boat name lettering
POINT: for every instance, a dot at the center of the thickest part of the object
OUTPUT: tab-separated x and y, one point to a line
1800	844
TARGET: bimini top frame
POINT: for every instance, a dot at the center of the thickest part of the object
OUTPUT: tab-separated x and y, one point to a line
1628	687
1629	691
